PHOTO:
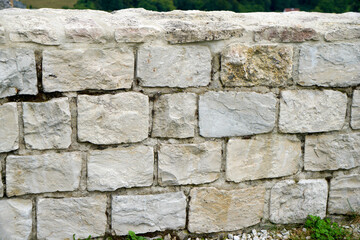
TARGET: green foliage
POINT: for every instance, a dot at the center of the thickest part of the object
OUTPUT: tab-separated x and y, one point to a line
88	238
132	236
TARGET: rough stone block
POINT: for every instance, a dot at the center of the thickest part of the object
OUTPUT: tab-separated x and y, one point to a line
286	34
47	125
79	30
136	34
329	65
9	127
175	116
213	210
109	170
112	119
80	69
266	156
81	216
181	164
343	33
50	172
355	110
292	202
312	111
224	114
267	65
174	66
148	213
2	35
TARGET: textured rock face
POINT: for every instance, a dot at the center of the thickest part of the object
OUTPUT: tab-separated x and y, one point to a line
189	163
18	72
175	116
344	195
163	66
335	65
42	173
332	152
292	202
1	184
355	110
9	127
286	34
343	33
82	29
47	125
148	213
80	69
224	114
262	157
130	167
2	35
258	65
112	119
213	210
136	34
312	111
83	216
15	219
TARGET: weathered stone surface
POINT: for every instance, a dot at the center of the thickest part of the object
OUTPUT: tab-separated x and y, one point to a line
213	210
1	184
181	164
355	110
49	172
9	127
47	125
286	34
334	65
224	114
2	35
344	197
332	152
18	72
163	66
15	219
292	202
267	65
312	110
262	157
148	213
112	119
136	34
84	30
175	115
343	33
83	216
80	69
109	170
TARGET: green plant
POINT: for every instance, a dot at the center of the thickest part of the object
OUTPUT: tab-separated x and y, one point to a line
88	238
132	236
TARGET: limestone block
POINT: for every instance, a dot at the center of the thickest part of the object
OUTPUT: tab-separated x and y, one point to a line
80	69
2	35
332	152
292	202
15	219
84	29
344	197
285	34
260	157
47	125
49	172
148	213
312	111
181	164
267	65
82	216
224	114
174	115
18	72
174	66
9	127
343	33
136	34
213	210
355	110
329	65
109	170
112	119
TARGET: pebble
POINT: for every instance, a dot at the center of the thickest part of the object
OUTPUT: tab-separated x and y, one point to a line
230	236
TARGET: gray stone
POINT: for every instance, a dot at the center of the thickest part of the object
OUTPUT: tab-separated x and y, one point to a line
2	35
355	110
163	66
312	111
136	34
18	72
260	157
80	69
181	164
330	65
112	119
224	114
1	184
61	218
49	172
84	29
47	125
174	115
9	127
292	202
286	34
213	210
148	213
343	33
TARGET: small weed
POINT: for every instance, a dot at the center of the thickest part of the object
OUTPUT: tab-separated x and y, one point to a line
132	236
88	238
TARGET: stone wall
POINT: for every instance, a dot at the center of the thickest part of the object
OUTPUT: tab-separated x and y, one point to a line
145	121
